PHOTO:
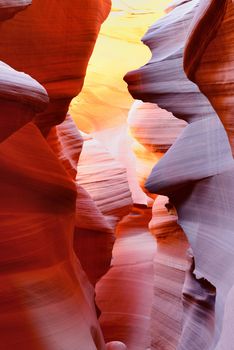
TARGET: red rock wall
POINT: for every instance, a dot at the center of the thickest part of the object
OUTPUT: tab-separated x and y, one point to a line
47	301
52	41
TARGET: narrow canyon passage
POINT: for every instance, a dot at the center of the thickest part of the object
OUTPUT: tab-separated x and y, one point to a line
116	175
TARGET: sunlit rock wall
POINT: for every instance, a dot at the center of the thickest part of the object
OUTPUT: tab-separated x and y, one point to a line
102	108
156	130
153	130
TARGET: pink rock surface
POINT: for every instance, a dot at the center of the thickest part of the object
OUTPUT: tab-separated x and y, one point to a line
105	180
120	149
154	130
170	263
93	236
153	127
125	293
116	345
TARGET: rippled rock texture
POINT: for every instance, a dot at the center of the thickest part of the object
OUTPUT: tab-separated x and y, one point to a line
105	180
40	273
66	195
170	265
47	301
197	171
156	130
125	294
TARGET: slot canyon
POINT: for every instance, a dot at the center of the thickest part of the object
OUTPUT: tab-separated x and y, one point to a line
117	175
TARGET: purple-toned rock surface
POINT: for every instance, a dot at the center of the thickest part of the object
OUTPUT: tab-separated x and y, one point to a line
197	171
209	62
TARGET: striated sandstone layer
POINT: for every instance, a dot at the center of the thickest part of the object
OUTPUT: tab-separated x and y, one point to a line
125	293
48	52
46	299
153	127
170	264
105	180
40	273
93	236
156	130
196	173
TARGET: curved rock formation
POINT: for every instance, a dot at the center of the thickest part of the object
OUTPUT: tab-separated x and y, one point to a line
94	235
9	8
54	51
46	299
120	149
66	142
153	127
211	68
18	90
105	180
155	130
44	53
115	346
170	264
196	173
211	65
126	315
175	4
40	274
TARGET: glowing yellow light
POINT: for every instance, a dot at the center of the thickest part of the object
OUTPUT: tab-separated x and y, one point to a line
105	101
